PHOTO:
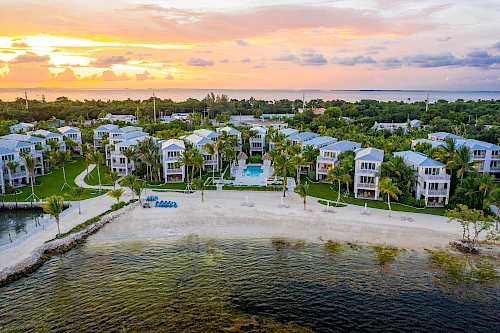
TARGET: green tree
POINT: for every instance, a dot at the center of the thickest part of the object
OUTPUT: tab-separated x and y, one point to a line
78	193
463	161
302	190
298	161
96	158
199	184
116	193
60	158
129	181
311	154
210	149
487	183
30	163
282	165
336	175
472	221
391	190
113	177
53	205
86	149
11	167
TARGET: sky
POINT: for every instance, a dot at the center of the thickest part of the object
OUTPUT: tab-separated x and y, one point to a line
255	44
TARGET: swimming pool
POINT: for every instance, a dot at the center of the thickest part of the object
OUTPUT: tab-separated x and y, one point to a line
253	171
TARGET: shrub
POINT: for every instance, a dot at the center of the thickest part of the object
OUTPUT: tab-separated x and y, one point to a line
407	199
255	159
118	205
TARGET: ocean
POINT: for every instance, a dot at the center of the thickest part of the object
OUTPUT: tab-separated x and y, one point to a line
179	95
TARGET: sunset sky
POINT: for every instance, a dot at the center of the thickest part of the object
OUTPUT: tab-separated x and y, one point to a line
273	44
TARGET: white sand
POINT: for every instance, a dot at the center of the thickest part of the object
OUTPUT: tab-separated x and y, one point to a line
221	215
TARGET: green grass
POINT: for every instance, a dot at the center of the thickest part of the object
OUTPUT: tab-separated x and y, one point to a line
323	191
103	169
52	183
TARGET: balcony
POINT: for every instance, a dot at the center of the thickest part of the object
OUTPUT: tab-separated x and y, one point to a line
324	158
366	171
173	171
171	158
366	186
495	157
210	162
478	156
436	177
119	165
495	168
437	192
21	174
322	170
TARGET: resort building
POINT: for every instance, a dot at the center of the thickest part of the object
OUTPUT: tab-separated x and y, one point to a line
394	126
14	177
286	132
434	144
41	143
198	142
73	133
433	183
319	142
270	116
328	156
50	136
366	167
128	118
101	132
442	136
207	134
257	143
232	132
299	138
117	145
20	128
170	152
22	148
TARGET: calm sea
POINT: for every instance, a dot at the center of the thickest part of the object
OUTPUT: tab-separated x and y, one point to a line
183	94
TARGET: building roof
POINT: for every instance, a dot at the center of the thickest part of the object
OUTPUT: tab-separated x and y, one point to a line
7	151
15	144
242	156
119	116
206	133
130	136
433	143
23	137
444	136
277	115
106	127
415	123
477	145
304	136
45	134
172	144
228	130
259	129
288	131
418	158
196	139
319	141
370	154
126	129
69	130
342	146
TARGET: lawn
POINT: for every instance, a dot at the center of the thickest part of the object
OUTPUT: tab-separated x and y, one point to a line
93	180
52	183
323	191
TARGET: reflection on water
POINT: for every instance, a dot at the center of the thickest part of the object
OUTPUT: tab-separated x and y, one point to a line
207	285
18	223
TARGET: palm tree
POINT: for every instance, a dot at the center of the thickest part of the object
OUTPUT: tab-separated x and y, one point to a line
129	154
311	154
209	148
30	162
137	189
220	145
11	166
78	193
54	145
487	183
494	199
86	149
186	159
129	181
199	184
391	189
281	163
96	158
298	161
53	205
446	154
463	161
198	161
347	179
60	158
116	193
335	175
302	190
113	177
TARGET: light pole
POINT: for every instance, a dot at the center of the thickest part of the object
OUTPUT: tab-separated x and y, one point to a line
154	106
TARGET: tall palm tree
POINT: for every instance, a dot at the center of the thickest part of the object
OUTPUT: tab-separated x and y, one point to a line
198	161
78	193
129	181
487	183
302	190
281	164
11	166
129	154
494	199
220	146
335	175
199	184
54	145
347	179
116	193
298	161
391	189
209	148
113	177
463	161
186	159
30	163
311	154
60	158
86	149
96	158
53	205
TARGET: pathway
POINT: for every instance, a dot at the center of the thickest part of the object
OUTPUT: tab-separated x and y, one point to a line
80	180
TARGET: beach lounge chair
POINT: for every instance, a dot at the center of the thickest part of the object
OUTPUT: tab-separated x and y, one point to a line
368	212
250	204
403	217
324	209
174	204
287	206
410	219
243	203
331	210
280	205
362	211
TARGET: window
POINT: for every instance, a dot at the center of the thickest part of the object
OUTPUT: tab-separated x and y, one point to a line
431	171
367	166
366	180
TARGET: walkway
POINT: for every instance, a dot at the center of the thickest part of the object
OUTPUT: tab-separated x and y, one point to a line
80	180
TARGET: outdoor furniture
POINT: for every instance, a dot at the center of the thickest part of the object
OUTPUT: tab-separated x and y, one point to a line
280	205
250	204
362	211
243	203
410	219
331	210
287	206
368	212
403	217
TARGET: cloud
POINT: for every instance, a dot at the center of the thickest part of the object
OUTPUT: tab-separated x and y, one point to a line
431	60
445	39
389	63
375	49
129	53
206	51
8	51
344	50
169	77
246	60
241	42
20	45
56	50
353	61
496	47
109	75
144	76
260	65
28	67
108	61
30	57
198	62
288	57
66	76
309	57
224	61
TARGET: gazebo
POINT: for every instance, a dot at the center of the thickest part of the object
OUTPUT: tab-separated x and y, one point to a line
266	159
242	161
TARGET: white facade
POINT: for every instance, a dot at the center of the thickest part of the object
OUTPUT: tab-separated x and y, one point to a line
232	132
198	142
118	162
50	136
21	127
73	133
11	150
366	168
128	118
299	138
328	156
100	132
319	142
170	152
433	183
207	134
394	126
257	143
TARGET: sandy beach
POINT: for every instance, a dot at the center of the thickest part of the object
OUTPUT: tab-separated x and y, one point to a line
222	215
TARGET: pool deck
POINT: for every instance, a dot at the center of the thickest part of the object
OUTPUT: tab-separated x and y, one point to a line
261	180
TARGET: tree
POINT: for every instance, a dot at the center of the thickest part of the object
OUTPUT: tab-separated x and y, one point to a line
335	175
199	184
129	181
53	205
487	183
78	193
298	161
198	161
137	189
390	189
311	154
116	193
11	166
60	158
446	154
186	159
302	190
281	164
30	162
494	199
86	149
209	148
113	177
96	158
472	221
129	154
463	161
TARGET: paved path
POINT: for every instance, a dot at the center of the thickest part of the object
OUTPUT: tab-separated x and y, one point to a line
80	180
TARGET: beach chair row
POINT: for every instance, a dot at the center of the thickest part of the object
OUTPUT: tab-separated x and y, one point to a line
166	204
151	198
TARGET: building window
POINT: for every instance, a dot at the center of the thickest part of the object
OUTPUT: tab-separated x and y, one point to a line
432	171
366	180
367	166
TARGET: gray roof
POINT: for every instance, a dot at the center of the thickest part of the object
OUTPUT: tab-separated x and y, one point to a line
207	133
229	130
342	146
419	159
196	139
106	127
370	154
172	144
319	141
477	145
23	137
7	151
130	135
15	144
288	131
69	130
304	136
46	134
444	135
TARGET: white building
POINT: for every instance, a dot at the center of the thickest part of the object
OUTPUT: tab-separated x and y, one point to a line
73	133
170	152
207	134
299	138
128	118
394	126
442	136
100	133
258	143
21	127
16	177
366	168
198	142
232	132
37	141
433	183
50	136
328	156
13	150
319	142
114	152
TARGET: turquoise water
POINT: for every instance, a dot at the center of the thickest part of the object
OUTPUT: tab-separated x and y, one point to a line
253	171
18	223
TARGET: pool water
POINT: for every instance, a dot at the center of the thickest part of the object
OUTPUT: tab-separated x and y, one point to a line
253	171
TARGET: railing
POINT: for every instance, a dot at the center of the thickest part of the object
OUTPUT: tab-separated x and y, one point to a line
323	158
18	174
494	168
118	165
436	177
495	157
437	192
171	158
173	171
479	156
370	171
322	170
210	162
366	185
